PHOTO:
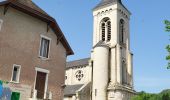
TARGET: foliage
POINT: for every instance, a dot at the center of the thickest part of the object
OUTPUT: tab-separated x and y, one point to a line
164	95
167	29
3	82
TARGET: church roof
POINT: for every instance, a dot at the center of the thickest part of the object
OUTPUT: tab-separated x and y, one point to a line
76	63
30	8
106	2
70	90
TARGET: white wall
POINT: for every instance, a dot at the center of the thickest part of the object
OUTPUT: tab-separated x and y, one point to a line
71	75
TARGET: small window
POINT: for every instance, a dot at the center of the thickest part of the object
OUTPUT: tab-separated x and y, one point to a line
79	75
1	22
44	48
16	73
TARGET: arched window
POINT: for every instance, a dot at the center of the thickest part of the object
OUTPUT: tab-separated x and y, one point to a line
121	31
124	72
106	29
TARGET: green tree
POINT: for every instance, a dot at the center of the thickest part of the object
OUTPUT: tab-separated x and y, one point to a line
165	97
167	29
142	96
155	97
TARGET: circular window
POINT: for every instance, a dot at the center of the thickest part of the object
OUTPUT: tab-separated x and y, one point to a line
79	75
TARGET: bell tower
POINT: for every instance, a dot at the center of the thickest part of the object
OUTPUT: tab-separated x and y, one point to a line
112	59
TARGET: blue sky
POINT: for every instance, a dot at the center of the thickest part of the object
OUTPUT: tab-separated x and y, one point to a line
148	38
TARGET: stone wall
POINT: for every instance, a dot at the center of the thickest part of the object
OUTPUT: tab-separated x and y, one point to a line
120	95
24	90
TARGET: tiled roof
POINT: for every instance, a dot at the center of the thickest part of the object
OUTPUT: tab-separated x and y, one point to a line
78	62
70	90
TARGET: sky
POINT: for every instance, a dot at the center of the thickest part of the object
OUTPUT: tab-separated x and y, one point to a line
148	36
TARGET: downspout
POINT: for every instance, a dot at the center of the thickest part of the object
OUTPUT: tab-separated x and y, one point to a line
92	80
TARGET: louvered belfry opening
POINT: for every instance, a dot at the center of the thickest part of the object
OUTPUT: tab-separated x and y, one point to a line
103	31
121	31
106	29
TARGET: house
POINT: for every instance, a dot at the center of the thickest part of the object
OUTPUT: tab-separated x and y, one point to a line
33	51
108	73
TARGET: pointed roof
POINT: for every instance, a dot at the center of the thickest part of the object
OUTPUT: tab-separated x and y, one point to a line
30	8
106	2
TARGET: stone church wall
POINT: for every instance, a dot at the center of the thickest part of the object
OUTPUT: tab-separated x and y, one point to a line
71	75
120	95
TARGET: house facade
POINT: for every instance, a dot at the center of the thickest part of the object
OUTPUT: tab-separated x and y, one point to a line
108	73
33	51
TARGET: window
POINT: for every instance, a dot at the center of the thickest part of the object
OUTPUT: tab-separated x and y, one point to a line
16	73
44	48
66	77
106	29
121	31
79	75
1	22
124	73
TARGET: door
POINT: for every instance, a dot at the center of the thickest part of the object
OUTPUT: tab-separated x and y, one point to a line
40	84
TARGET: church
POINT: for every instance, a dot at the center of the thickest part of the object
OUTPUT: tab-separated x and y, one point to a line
108	73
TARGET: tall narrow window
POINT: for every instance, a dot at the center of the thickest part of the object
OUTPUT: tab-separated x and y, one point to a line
44	49
124	73
106	29
16	73
103	31
121	31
